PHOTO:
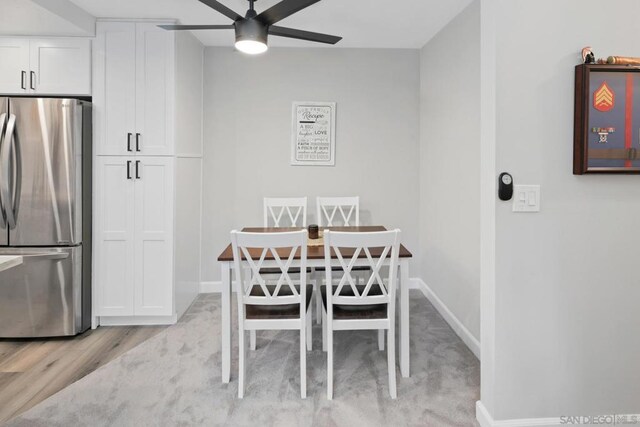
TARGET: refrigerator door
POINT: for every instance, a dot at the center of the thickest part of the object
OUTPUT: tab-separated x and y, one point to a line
42	297
4	112
43	170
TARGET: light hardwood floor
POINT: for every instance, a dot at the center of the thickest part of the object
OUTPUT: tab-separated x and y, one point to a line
33	370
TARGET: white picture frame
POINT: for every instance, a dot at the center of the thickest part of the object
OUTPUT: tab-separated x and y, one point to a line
313	134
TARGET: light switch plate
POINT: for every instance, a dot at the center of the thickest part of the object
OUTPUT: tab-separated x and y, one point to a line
526	198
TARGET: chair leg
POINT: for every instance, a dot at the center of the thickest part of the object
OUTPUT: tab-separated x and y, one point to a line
324	331
309	329
391	360
241	363
318	301
303	363
381	339
252	339
329	363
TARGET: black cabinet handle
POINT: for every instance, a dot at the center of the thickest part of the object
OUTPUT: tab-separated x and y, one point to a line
128	169
137	171
23	80
129	135
138	142
33	80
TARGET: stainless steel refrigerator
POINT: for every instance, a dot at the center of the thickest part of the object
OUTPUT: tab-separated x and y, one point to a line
45	216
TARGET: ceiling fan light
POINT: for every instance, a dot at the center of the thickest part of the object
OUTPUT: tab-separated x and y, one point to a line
251	47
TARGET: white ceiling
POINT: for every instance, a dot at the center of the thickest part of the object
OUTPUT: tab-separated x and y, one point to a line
25	18
371	23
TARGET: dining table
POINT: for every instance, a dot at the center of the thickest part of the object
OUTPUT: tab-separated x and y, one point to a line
315	259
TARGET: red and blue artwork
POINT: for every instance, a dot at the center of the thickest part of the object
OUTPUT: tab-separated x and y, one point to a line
614	120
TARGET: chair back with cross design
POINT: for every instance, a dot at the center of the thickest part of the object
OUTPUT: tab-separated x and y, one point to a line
285	212
362	249
338	211
280	248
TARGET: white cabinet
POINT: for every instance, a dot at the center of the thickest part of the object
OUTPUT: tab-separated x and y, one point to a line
134	89
14	66
140	276
56	66
114	237
153	236
134	236
154	89
115	89
60	66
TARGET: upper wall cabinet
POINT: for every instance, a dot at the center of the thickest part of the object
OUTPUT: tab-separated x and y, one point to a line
56	66
134	89
14	67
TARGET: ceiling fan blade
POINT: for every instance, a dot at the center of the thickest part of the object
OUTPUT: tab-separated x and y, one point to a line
303	35
222	9
196	27
283	9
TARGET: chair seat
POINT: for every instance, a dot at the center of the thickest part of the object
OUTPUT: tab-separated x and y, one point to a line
285	311
344	311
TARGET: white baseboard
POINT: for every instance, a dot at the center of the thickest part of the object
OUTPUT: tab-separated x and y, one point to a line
137	320
210	287
486	420
461	330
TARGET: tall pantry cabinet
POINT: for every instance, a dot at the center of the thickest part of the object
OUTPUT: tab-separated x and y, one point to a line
135	174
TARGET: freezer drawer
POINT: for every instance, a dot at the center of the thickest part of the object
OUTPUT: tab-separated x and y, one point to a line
42	297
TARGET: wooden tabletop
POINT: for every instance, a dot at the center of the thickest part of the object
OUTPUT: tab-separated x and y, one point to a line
314	252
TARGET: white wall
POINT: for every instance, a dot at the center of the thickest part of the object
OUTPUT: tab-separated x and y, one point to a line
248	136
450	166
567	316
189	80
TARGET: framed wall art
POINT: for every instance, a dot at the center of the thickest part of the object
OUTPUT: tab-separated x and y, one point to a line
313	134
606	119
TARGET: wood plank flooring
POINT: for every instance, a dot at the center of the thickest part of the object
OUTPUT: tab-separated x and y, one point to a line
32	370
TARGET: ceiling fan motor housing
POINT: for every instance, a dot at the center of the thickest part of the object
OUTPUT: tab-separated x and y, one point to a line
251	29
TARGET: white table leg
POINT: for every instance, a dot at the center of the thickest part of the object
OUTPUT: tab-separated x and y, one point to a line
404	317
226	321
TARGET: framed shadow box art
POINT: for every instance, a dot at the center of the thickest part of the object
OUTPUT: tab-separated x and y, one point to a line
607	119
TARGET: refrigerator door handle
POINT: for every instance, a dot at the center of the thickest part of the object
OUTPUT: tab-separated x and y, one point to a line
46	256
10	196
3	125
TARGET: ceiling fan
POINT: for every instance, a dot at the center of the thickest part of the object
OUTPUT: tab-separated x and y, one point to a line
253	29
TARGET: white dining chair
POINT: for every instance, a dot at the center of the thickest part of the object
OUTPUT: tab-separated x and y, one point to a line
349	306
338	211
265	304
281	212
295	209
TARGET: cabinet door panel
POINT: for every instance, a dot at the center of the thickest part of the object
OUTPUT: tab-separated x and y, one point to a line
154	236
14	66
61	66
154	89
114	237
115	88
